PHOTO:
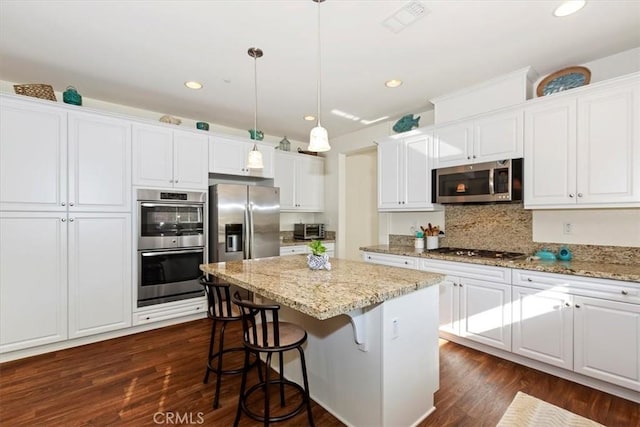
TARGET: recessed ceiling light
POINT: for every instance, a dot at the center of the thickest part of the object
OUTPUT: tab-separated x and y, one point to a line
310	118
393	83
193	85
569	7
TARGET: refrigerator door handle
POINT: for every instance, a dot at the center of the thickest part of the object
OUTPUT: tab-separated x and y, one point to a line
247	233
250	233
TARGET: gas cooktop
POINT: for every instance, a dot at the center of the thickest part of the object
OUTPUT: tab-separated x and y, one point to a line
478	253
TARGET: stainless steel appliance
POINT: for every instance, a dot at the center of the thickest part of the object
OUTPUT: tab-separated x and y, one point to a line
499	181
244	222
171	245
308	231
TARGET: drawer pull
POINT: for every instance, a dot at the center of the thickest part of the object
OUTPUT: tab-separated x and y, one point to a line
566	304
577	305
455	284
529	279
406	262
625	292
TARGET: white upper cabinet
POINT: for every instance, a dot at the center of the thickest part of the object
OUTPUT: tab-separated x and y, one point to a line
491	137
55	160
33	156
300	178
229	156
99	163
169	158
584	151
404	174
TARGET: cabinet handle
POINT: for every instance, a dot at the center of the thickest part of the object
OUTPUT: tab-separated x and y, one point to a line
71	204
566	304
63	219
70	219
529	279
460	284
577	305
406	262
170	181
625	292
474	156
579	194
571	195
176	181
455	284
63	204
468	157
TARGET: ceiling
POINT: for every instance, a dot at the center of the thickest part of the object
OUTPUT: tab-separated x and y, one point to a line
139	53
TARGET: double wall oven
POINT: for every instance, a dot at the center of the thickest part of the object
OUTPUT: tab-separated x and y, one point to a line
171	245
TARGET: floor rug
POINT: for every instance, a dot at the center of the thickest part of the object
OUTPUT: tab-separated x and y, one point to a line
528	411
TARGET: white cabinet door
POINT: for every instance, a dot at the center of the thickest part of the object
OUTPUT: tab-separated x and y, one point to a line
450	305
152	156
389	175
498	137
454	144
100	284
228	157
301	182
416	177
33	156
285	179
485	315
607	341
543	326
608	148
33	279
190	160
549	160
310	183
99	163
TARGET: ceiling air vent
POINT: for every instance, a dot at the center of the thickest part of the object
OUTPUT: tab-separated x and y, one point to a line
405	16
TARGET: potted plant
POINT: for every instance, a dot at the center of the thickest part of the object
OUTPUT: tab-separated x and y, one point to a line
318	258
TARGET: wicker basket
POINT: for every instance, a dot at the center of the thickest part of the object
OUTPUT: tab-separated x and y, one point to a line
36	90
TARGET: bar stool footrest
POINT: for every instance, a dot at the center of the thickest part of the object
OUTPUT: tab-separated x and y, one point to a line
276	382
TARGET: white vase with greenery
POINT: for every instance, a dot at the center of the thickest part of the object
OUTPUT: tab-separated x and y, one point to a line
318	259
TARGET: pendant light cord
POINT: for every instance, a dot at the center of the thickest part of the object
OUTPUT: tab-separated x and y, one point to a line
319	56
255	86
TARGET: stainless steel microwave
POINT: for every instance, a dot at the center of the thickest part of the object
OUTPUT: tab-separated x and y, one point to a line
499	181
308	231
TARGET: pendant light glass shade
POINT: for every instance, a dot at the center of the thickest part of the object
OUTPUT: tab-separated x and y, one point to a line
319	137
255	156
255	159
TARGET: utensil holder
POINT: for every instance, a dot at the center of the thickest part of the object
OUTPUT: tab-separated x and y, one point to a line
432	242
418	243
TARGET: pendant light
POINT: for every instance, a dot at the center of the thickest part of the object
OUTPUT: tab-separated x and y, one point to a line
318	138
255	156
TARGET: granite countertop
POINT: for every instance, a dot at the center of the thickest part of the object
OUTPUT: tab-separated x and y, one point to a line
625	272
320	293
296	242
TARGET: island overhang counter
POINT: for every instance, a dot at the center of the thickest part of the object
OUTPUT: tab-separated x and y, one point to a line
372	349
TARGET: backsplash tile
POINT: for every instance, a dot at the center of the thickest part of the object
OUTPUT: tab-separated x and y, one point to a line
508	227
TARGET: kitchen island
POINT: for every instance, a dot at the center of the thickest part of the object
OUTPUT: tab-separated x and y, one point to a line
372	349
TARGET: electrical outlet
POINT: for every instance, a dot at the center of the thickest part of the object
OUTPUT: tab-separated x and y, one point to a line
567	228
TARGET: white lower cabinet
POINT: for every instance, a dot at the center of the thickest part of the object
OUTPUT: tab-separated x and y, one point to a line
99	273
304	249
607	341
590	326
543	326
33	279
475	306
63	276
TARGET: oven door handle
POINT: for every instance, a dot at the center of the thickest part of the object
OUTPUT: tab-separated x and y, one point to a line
171	205
190	251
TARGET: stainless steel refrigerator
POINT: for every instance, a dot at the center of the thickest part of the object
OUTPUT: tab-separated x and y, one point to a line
244	222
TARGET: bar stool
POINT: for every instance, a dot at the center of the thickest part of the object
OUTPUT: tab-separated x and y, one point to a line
222	310
263	336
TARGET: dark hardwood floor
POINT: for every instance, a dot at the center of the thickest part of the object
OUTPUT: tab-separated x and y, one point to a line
156	378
